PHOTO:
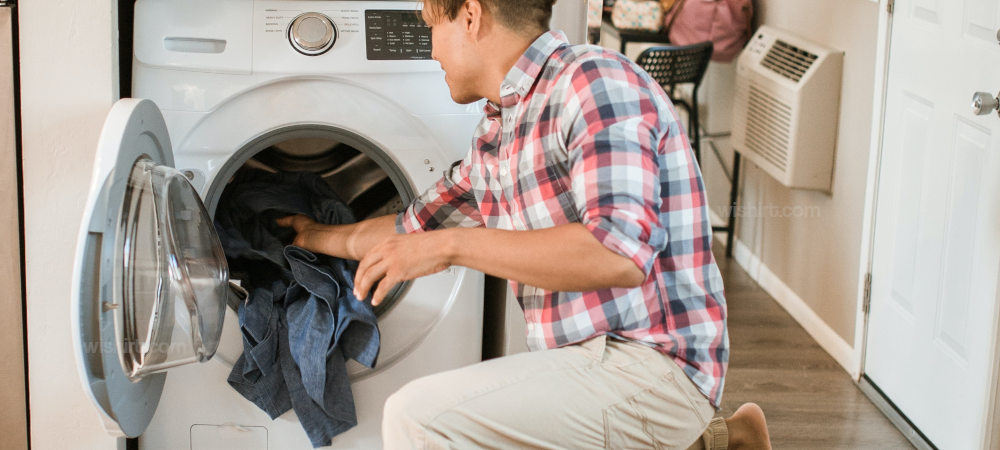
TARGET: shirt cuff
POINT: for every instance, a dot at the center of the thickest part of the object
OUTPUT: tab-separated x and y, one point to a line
613	238
406	222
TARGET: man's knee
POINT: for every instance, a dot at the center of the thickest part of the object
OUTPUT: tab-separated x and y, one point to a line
404	405
408	411
399	422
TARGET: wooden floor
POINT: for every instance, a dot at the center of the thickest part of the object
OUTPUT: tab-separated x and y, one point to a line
809	400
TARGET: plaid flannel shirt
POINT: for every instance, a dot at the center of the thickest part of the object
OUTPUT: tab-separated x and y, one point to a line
583	135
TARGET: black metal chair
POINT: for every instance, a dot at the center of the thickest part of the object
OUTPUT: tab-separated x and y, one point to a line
680	64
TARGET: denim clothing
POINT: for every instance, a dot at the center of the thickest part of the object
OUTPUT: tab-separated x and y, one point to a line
257	373
254	199
321	305
301	321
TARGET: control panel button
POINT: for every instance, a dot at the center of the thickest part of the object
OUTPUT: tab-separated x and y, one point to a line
312	33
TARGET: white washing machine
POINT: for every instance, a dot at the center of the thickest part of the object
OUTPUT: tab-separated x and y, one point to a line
342	88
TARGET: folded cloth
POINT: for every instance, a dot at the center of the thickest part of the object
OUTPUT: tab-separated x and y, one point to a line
301	320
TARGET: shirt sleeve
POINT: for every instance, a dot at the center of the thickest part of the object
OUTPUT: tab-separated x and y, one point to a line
449	203
612	142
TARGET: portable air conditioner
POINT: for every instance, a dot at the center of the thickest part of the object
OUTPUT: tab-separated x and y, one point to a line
786	108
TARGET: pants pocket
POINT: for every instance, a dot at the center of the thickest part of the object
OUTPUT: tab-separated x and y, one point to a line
661	416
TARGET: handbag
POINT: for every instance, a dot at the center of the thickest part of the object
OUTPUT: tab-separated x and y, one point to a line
724	22
595	9
637	15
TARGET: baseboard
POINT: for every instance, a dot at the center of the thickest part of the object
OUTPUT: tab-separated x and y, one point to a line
746	259
828	339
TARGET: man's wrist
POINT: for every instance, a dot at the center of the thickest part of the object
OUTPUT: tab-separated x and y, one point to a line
314	239
450	245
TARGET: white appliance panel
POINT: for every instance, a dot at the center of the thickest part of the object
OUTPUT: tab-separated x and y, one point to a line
212	36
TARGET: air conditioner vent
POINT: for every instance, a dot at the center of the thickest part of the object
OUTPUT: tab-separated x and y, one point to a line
787	125
769	124
788	60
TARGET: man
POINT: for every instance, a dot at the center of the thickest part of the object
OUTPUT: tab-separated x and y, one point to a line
582	189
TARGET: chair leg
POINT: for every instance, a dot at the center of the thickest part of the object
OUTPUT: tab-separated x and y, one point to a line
693	125
734	193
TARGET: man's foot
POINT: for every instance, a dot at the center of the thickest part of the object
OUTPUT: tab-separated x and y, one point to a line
748	429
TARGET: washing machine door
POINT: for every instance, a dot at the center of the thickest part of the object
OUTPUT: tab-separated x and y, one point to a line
151	280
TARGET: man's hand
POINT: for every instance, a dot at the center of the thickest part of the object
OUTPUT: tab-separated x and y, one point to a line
309	233
400	258
386	258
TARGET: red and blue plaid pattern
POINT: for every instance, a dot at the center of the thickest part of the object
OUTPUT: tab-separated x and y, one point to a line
584	135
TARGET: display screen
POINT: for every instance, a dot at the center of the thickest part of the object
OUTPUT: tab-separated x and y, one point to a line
395	34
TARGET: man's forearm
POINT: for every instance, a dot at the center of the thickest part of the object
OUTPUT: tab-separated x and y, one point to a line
351	241
562	258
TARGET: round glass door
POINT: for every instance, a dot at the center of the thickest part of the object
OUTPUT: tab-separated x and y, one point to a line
170	277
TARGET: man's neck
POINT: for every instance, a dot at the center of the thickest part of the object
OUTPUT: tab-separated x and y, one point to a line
501	51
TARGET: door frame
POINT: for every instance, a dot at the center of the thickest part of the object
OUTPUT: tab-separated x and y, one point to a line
872	183
991	418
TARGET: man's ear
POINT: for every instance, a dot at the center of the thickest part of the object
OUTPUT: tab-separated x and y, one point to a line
472	16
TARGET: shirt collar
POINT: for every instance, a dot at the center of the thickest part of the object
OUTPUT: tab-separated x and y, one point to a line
525	72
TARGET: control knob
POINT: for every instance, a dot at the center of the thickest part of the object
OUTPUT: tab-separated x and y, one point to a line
312	33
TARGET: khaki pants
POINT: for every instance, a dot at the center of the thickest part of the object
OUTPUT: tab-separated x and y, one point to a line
602	393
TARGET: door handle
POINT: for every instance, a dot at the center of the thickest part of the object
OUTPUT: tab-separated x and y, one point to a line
984	103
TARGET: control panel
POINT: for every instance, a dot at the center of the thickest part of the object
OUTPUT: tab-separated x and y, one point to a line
395	34
340	37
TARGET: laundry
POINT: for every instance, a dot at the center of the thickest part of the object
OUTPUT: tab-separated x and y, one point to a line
301	321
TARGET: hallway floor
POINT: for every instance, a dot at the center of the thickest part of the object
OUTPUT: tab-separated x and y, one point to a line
809	400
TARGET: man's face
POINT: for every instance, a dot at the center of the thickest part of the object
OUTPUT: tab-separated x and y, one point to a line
452	47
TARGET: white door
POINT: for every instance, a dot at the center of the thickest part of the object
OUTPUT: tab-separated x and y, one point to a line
932	322
151	280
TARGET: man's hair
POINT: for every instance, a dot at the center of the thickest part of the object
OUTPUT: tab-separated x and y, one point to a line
529	16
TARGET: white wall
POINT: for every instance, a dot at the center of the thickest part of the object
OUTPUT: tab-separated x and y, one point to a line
570	16
68	83
809	260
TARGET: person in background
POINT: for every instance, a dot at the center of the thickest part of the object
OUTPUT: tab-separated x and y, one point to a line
581	188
